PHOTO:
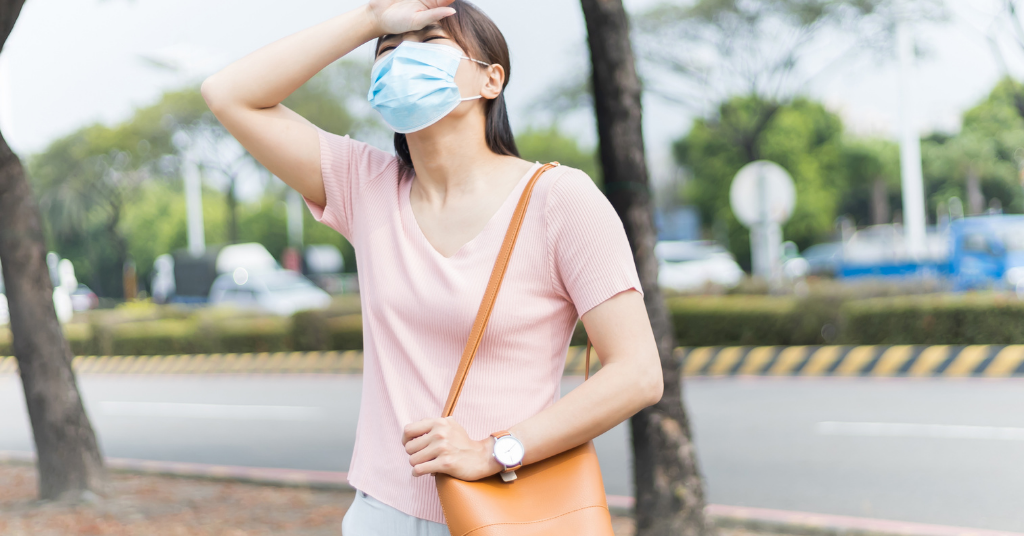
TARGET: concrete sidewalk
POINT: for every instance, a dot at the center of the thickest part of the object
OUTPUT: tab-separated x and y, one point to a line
756	519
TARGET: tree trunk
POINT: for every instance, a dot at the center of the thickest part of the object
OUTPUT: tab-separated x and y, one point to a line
669	491
880	209
975	198
69	461
232	212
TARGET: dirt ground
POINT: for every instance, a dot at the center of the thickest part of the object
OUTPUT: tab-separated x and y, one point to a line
142	505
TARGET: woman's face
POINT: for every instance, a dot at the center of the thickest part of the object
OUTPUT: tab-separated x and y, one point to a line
472	78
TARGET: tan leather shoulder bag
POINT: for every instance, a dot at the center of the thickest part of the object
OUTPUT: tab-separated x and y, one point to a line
561	495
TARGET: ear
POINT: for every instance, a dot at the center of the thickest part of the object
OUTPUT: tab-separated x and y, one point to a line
495	81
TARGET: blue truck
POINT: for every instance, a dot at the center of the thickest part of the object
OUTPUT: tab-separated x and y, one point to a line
980	252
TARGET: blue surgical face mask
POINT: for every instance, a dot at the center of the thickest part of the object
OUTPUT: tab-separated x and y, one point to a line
413	87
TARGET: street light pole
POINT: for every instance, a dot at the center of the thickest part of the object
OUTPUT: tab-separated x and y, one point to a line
295	213
910	151
194	205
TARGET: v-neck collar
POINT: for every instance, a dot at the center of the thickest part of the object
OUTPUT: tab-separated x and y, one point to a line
501	215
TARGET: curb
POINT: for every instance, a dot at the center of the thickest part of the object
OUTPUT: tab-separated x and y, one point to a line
343	362
992	361
760	519
300	478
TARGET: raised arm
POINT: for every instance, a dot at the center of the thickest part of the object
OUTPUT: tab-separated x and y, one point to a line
246	95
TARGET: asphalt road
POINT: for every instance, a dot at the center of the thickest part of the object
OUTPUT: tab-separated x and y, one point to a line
932	451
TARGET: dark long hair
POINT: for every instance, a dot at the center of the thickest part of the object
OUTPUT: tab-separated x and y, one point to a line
477	34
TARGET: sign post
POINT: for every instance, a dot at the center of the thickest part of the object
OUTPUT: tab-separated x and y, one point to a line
762	196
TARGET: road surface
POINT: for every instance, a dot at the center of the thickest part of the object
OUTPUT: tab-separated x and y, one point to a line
932	451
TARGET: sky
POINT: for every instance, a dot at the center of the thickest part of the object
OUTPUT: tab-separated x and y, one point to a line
69	63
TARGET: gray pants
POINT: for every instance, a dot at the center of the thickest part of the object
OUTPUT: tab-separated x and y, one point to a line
369	517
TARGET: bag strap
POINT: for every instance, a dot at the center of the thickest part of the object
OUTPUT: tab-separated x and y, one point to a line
493	285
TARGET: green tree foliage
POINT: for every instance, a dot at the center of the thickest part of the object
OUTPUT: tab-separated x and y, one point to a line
113	193
548	144
837	175
867	164
85	181
802	137
990	146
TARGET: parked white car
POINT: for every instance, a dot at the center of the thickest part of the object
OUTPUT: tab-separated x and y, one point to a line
279	292
687	266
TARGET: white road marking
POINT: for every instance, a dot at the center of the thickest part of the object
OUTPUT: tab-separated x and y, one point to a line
209	411
941	431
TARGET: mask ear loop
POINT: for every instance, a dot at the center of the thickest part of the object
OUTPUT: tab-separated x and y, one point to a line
485	64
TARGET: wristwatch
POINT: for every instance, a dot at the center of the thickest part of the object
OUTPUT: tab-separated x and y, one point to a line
509	452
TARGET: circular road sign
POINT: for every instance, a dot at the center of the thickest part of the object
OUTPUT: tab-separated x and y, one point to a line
762	192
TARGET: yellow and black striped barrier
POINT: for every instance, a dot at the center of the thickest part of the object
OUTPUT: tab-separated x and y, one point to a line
347	362
879	361
276	362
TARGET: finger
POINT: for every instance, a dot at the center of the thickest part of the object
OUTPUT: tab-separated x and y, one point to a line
437	465
417	444
430	16
416	429
425	455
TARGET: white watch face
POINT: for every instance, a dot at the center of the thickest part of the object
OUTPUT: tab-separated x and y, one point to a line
509	451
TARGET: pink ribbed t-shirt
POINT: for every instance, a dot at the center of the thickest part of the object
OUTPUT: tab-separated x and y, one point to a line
418	306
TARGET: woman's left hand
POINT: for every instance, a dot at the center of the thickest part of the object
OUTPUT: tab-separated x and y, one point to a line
443	446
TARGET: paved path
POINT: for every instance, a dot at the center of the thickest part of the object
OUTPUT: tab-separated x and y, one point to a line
936	451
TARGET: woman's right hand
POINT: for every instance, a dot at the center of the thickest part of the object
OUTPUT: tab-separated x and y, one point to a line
401	16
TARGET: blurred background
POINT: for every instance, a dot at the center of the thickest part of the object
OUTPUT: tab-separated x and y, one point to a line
892	218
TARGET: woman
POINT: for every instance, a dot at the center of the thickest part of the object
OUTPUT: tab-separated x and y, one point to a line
426	225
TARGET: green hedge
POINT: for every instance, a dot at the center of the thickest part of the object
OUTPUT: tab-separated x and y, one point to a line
751	320
972	318
982	318
79	336
938	319
318	330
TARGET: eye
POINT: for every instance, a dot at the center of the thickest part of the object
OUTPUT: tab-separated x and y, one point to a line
384	49
431	38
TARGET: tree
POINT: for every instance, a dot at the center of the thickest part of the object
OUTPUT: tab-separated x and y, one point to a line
802	137
88	179
869	185
101	187
669	491
69	461
982	163
739	63
547	144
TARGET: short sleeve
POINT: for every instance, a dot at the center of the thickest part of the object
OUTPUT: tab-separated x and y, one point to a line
590	256
346	165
